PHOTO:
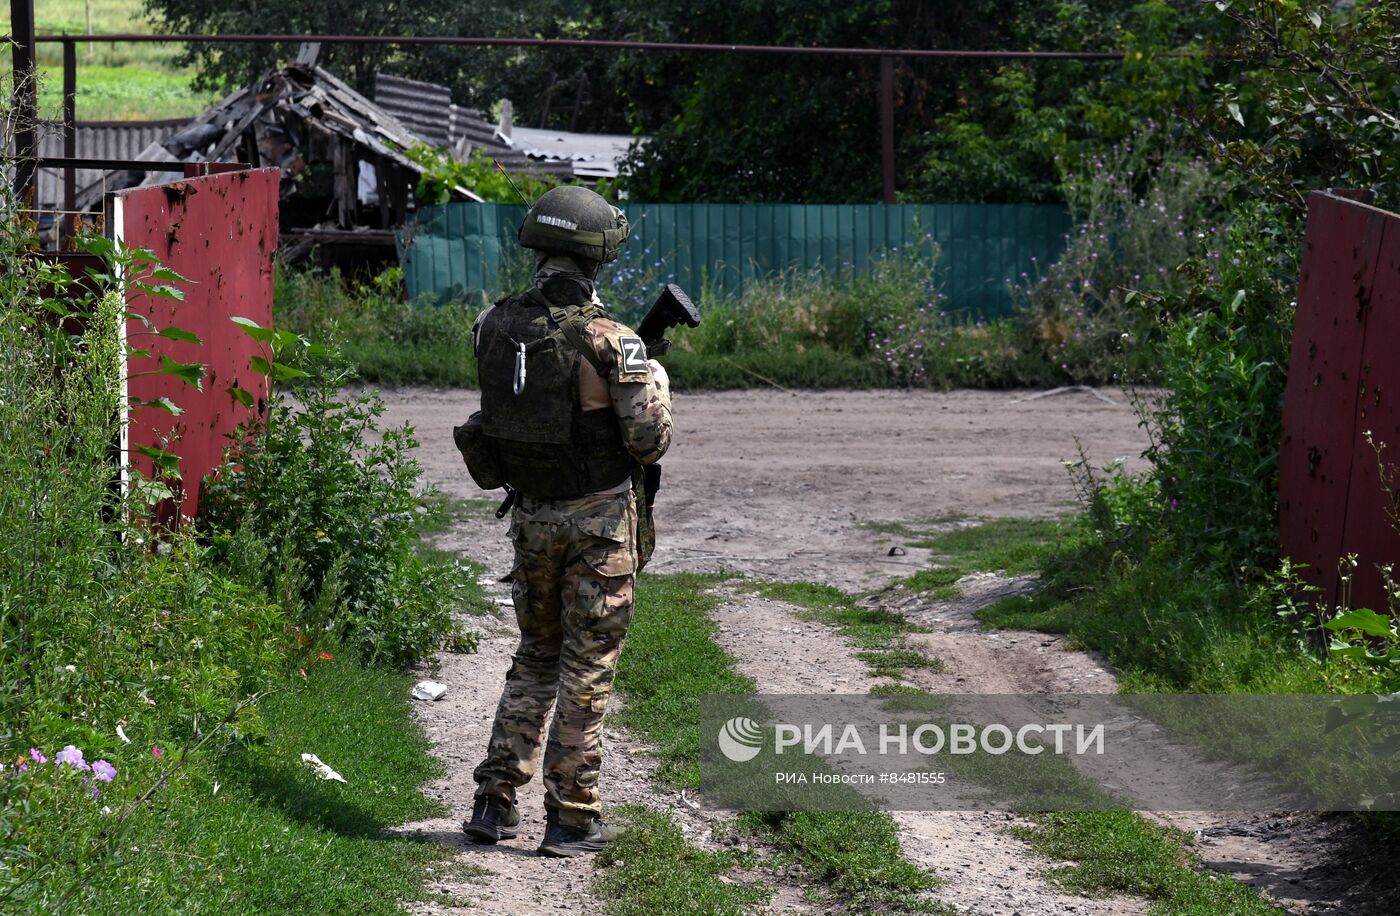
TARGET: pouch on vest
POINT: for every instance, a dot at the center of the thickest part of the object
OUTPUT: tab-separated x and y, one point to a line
479	453
646	525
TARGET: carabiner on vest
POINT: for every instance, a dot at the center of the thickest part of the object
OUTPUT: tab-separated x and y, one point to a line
520	369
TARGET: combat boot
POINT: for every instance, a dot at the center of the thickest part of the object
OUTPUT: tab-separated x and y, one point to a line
562	841
492	820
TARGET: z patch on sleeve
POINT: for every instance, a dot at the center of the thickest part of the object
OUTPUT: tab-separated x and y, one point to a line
634	357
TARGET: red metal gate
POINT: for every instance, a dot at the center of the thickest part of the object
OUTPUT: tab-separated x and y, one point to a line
1343	383
220	231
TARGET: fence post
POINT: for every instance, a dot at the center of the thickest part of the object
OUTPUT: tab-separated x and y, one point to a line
887	125
26	99
70	138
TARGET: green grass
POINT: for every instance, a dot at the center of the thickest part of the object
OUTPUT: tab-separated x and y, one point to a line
1166	628
876	634
809	333
127	92
1012	546
1117	852
440	512
129	81
671	660
276	839
855	854
652	869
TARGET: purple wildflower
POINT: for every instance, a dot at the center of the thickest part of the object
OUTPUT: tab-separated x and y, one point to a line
70	756
103	771
37	755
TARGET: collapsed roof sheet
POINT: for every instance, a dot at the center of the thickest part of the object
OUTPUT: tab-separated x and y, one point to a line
292	109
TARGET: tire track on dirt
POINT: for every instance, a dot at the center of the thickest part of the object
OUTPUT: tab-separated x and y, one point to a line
1303	862
989	871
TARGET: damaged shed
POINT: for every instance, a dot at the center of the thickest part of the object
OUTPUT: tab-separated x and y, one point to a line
346	176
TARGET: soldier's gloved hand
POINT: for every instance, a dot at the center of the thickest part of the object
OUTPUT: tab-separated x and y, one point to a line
658	372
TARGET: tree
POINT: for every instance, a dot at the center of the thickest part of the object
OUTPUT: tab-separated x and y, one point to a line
793	128
568	89
1311	100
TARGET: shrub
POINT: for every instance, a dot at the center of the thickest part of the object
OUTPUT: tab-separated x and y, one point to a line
1139	216
388	339
96	627
1218	425
316	503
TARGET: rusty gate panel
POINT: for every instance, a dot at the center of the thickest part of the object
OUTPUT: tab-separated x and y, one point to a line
220	231
1327	501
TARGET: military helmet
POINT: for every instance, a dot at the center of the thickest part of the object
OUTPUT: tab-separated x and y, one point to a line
575	221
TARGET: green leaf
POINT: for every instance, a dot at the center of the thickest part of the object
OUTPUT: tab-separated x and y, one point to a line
98	245
174	333
149	492
241	395
283	372
167	463
161	291
285	339
260	365
161	403
1235	112
1365	620
161	272
254	330
191	373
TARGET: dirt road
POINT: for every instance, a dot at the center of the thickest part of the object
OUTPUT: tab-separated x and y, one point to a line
785	486
789	487
777	486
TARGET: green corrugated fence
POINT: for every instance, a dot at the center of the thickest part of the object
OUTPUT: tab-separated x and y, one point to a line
458	248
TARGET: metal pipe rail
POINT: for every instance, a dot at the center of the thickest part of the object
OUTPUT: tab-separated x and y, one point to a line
886	57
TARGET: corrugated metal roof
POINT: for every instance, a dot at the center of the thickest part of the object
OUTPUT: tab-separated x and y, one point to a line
95	140
419	106
593	155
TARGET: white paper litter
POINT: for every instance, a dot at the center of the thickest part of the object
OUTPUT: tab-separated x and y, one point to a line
428	690
321	770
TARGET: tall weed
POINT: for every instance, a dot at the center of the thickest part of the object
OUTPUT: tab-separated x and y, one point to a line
1139	216
316	503
1218	424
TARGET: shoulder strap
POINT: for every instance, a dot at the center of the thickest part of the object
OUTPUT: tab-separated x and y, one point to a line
570	326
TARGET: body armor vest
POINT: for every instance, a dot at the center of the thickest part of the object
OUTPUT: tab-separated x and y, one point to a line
549	447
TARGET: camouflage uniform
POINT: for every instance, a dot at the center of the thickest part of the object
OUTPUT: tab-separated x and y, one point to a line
574	573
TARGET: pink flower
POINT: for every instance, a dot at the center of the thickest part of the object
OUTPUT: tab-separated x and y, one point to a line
103	771
157	753
37	756
70	756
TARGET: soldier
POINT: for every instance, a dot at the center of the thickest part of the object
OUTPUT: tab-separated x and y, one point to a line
571	408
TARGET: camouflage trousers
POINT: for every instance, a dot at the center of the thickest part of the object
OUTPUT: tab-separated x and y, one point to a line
575	567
